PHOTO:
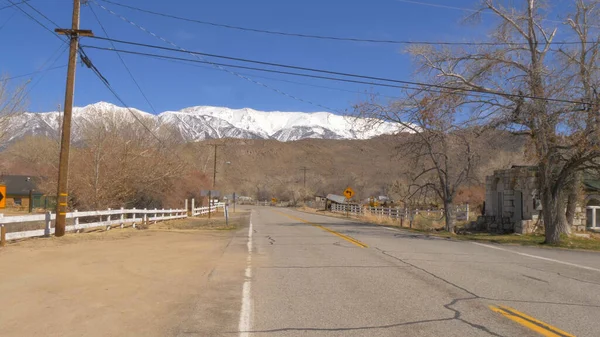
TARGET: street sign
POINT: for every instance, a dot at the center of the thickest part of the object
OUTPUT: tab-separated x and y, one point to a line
213	193
349	193
3	196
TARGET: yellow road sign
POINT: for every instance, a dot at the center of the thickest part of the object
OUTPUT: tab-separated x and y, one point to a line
273	200
349	193
2	196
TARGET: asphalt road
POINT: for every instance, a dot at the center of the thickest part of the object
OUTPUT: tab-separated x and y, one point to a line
311	275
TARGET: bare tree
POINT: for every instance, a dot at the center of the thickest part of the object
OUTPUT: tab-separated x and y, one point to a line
12	103
441	153
583	64
518	83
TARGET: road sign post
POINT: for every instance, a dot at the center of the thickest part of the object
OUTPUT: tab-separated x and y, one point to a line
348	193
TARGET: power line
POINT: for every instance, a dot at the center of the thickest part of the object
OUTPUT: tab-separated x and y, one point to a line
32	73
215	65
475	11
129	70
123	62
438	86
14	4
44	72
454	91
40	13
249	68
321	37
36	20
282	80
8	20
135	116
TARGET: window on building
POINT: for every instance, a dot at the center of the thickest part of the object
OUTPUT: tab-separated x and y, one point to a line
18	201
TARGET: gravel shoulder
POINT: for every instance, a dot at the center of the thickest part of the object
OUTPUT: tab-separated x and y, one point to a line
119	282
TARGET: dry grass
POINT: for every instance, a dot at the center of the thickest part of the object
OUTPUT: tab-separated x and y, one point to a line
216	222
592	243
434	227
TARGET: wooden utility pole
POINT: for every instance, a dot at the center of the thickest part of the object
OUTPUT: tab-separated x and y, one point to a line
65	144
214	179
304	168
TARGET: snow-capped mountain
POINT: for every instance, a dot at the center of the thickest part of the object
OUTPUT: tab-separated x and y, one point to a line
205	122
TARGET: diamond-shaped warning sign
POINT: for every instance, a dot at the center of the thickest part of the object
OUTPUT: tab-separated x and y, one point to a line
2	196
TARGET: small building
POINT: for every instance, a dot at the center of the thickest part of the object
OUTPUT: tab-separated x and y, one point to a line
335	199
19	189
512	201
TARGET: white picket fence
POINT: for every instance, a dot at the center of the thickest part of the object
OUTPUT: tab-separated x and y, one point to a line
397	213
106	218
198	211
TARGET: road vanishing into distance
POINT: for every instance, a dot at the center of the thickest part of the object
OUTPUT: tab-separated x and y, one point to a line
313	275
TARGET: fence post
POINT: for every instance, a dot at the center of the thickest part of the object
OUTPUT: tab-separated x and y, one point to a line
108	220
133	216
122	216
2	236
155	214
47	221
145	219
186	206
467	212
75	220
193	207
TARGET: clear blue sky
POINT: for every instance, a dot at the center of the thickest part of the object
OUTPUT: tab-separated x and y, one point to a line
25	47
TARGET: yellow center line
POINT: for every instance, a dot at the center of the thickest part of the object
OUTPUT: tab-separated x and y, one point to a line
529	322
345	237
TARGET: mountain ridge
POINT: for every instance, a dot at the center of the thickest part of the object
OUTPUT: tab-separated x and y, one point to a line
207	122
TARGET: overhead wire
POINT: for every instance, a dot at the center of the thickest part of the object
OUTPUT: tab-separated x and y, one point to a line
8	20
31	73
36	20
84	58
323	37
421	3
123	62
14	4
407	87
40	13
212	63
44	72
248	68
129	70
337	73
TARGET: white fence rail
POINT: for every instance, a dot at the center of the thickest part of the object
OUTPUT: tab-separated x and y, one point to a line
92	219
198	211
397	213
106	218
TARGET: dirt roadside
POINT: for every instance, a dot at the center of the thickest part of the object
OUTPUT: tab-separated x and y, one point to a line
123	282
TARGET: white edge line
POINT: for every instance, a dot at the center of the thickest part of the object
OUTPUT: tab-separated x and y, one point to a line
245	323
388	228
538	257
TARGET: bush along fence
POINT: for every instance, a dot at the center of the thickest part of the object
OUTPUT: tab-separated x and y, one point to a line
11	227
403	214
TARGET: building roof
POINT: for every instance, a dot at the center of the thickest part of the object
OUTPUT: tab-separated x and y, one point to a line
340	199
20	185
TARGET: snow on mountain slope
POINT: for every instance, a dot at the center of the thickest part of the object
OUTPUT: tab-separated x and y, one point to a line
205	122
